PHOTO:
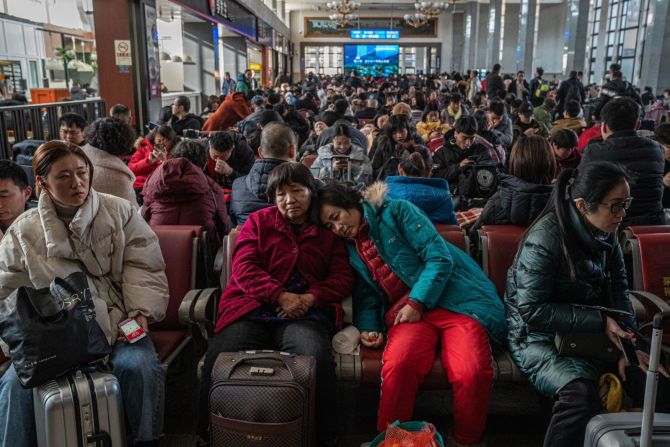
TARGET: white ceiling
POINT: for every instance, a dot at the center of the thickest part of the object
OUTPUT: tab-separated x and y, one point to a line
382	5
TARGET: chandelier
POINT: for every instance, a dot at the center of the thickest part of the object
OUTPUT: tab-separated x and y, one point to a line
342	7
341	12
417	20
343	20
431	9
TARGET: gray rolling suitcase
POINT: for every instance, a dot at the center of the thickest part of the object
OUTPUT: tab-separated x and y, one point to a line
80	409
644	429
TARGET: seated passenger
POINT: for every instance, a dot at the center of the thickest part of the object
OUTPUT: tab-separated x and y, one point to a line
342	160
571	119
233	109
392	146
459	152
269	306
254	138
75	228
180	193
213	103
181	118
454	110
230	157
544	113
500	123
414	184
565	259
564	145
523	193
278	145
430	294
309	148
430	128
108	139
662	136
15	192
122	112
248	124
525	124
71	128
150	153
327	135
641	157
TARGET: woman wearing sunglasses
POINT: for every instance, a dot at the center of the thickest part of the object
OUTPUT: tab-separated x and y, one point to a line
569	257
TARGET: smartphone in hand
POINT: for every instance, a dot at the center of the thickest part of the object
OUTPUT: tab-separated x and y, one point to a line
628	349
131	330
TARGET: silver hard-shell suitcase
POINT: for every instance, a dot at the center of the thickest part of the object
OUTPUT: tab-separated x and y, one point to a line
80	409
644	429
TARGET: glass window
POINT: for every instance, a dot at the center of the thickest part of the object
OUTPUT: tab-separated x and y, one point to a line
629	42
633	16
610	38
627	68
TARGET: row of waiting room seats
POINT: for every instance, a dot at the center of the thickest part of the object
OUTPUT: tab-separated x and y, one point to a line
192	308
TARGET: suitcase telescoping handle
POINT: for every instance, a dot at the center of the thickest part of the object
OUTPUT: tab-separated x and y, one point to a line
266	356
101	437
652	379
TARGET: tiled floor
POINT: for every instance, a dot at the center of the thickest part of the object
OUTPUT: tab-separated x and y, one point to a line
515	417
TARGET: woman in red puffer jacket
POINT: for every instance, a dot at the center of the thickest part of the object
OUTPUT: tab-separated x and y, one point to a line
151	152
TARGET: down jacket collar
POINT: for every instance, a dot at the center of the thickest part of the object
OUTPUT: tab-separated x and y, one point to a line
375	194
56	234
595	242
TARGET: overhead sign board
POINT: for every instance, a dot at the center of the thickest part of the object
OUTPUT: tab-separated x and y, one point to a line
374	34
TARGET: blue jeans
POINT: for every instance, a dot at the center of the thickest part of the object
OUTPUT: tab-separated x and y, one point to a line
142	381
303	337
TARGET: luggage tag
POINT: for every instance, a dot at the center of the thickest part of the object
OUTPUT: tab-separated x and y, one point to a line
131	330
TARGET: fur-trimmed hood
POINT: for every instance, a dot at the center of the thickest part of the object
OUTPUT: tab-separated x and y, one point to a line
375	194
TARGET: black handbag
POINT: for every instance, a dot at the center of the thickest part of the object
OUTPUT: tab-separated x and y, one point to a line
51	331
594	346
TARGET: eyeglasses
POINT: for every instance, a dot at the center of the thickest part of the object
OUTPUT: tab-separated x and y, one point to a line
617	207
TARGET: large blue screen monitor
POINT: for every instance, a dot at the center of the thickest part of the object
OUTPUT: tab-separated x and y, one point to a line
377	60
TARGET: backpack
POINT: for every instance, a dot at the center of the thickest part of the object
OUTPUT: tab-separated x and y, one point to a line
477	184
573	93
23	152
542	88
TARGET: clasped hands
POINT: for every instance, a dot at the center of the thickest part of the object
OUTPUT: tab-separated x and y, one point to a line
294	305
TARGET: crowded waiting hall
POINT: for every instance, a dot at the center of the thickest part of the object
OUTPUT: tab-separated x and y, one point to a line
311	223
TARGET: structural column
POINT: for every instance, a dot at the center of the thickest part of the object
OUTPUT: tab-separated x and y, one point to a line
654	71
111	19
494	37
458	39
526	38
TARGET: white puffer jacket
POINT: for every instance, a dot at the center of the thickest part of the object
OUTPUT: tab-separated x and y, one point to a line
118	249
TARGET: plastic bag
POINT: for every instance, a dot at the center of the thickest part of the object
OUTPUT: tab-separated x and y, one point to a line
397	437
410	434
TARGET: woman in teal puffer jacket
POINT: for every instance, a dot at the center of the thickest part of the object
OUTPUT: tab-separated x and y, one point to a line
424	291
571	256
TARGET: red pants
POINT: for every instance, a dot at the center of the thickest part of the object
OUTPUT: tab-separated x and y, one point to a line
466	358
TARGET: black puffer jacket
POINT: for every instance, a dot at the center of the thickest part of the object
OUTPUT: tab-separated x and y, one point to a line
517	202
190	121
540	293
447	159
644	160
616	88
248	193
